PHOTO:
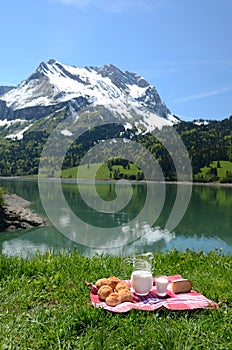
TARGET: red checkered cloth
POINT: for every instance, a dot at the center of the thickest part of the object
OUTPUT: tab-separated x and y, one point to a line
151	302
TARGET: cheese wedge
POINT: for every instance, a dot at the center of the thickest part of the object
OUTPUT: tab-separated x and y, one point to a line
181	286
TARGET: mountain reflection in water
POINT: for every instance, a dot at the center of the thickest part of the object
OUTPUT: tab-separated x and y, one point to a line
206	224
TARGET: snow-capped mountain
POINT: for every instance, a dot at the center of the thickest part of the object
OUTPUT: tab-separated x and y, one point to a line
126	96
4	89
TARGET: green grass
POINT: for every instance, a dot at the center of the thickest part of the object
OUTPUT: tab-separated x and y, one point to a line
44	304
102	172
132	171
221	172
225	166
86	171
2	191
1	199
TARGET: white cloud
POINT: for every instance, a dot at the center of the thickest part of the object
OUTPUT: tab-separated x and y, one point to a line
203	95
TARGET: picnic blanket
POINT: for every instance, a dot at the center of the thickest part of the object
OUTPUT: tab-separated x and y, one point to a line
150	302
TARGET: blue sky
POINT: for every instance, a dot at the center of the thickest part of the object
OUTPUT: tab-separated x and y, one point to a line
182	47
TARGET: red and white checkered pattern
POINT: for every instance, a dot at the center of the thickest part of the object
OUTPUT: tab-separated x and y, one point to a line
151	302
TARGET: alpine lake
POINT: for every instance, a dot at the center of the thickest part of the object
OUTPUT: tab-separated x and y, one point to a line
82	217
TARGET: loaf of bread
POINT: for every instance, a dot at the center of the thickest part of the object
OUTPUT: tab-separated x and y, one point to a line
181	286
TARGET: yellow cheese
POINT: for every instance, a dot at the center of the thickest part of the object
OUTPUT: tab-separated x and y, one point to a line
181	286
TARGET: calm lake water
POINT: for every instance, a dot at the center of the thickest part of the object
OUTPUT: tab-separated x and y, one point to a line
206	224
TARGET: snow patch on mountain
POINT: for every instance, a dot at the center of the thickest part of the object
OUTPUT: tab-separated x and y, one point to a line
201	122
8	123
173	119
19	134
66	132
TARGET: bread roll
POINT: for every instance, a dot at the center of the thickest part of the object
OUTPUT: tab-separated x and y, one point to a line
181	286
104	291
122	285
125	295
102	282
113	299
113	281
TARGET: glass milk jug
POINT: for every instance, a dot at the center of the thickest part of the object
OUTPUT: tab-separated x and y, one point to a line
141	276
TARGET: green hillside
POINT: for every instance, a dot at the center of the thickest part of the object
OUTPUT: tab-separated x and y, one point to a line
86	171
1	194
206	143
217	171
102	172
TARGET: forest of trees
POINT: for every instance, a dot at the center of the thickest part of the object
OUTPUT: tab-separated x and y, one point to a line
205	142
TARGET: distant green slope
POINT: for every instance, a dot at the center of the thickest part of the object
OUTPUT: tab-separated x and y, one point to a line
86	171
206	143
102	172
217	172
1	198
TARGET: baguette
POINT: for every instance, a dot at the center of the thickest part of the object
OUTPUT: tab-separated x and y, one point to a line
181	286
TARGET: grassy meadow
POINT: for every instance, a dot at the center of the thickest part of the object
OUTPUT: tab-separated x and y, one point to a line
45	304
1	196
102	172
86	171
221	171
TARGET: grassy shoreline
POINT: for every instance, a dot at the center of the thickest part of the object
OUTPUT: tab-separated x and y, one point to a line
44	304
76	180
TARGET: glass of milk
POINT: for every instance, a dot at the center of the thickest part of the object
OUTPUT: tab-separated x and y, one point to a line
141	276
161	283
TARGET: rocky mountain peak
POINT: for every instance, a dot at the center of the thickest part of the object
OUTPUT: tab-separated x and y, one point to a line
5	89
53	85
